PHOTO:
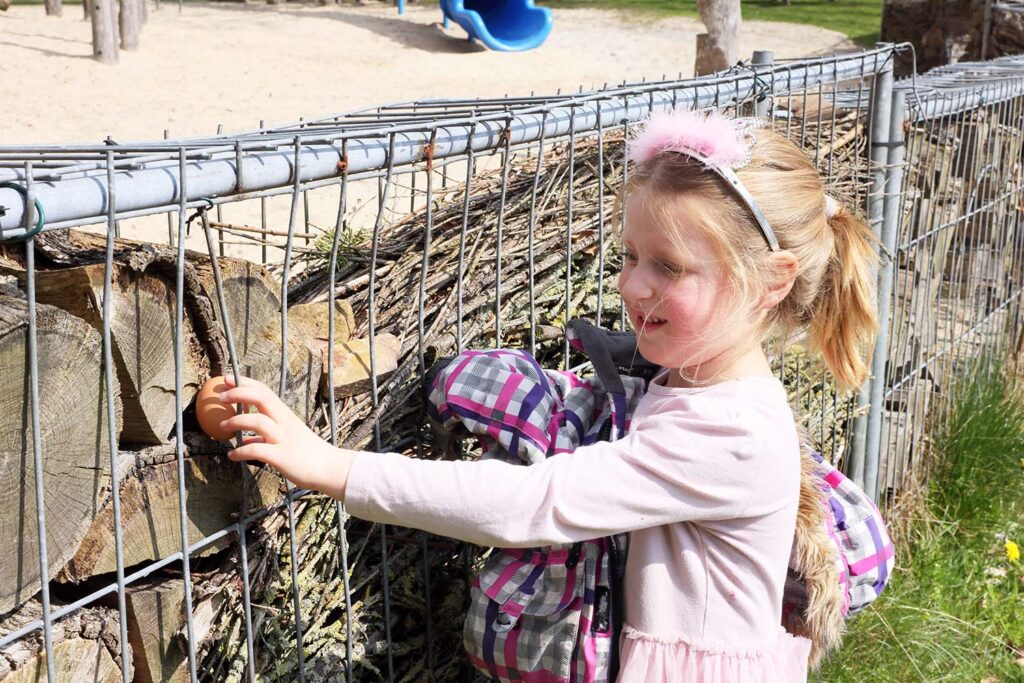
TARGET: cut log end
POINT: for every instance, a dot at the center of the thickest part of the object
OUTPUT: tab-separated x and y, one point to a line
74	442
86	647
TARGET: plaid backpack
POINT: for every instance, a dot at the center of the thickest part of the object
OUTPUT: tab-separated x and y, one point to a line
552	613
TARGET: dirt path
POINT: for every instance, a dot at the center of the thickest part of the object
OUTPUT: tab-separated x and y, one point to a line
235	64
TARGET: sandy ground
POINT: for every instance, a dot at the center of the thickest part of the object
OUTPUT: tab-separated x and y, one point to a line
237	64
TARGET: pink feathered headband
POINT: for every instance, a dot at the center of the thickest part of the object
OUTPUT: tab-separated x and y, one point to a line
721	144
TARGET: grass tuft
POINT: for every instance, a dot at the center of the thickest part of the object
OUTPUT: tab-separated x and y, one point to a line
953	610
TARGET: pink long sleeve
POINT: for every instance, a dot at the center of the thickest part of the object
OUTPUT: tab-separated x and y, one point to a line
688	456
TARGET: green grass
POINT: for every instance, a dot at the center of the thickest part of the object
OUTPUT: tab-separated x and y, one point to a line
954	610
860	20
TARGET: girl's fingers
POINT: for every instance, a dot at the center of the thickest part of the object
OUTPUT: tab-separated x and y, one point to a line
263	425
260	452
257	395
229	379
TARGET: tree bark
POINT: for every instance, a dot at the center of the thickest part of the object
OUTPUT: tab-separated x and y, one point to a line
252	294
131	23
719	48
942	31
70	274
54	8
86	647
150	521
104	31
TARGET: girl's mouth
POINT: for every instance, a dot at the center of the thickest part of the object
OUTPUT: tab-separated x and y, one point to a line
648	323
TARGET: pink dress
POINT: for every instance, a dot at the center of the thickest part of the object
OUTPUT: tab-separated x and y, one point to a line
706	482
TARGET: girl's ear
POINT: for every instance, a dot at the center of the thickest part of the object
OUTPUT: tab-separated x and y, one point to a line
783	266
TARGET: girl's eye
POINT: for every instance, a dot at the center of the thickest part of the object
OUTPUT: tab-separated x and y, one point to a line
628	256
671	269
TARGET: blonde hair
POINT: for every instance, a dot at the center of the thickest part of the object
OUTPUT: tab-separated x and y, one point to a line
833	295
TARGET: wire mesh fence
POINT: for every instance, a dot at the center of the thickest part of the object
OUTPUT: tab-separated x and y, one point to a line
335	260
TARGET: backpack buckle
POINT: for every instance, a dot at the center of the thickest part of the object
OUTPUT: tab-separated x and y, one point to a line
503	623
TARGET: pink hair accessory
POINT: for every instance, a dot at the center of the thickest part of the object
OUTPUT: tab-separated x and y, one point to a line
721	144
709	137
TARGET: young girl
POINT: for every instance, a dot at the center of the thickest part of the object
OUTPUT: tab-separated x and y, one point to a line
728	236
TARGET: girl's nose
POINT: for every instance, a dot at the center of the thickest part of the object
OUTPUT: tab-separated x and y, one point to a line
634	285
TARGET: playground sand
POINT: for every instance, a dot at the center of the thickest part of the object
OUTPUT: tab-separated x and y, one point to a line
235	64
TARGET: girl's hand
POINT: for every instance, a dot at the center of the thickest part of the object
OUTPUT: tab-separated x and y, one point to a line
283	440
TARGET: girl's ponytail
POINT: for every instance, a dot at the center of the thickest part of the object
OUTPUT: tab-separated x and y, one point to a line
843	321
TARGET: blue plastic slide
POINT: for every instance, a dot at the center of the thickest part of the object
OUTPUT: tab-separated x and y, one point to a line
507	25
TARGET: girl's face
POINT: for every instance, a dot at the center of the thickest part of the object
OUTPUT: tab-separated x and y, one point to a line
678	300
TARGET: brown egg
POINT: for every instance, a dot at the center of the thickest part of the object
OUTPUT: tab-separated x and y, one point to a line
211	412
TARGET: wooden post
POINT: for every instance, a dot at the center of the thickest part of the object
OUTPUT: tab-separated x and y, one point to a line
54	8
131	23
718	49
104	31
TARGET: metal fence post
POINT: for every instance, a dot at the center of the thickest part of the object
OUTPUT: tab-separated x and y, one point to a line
881	102
889	237
762	58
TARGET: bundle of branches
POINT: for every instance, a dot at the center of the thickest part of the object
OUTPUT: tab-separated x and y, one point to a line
398	413
464	304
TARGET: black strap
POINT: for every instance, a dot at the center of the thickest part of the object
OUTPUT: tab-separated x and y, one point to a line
596	347
612	354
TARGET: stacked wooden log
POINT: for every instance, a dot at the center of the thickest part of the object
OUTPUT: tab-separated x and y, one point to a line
81	419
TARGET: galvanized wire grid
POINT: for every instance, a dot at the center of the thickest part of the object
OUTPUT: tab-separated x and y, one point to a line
497	218
953	251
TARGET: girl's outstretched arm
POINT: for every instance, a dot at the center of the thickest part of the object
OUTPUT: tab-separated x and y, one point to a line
677	465
283	441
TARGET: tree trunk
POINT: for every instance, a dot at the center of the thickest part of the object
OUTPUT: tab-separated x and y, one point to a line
131	23
54	8
719	48
4	5
104	30
1007	32
86	647
73	435
150	521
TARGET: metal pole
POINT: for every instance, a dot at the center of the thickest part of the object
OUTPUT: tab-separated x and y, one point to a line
881	103
889	237
762	58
